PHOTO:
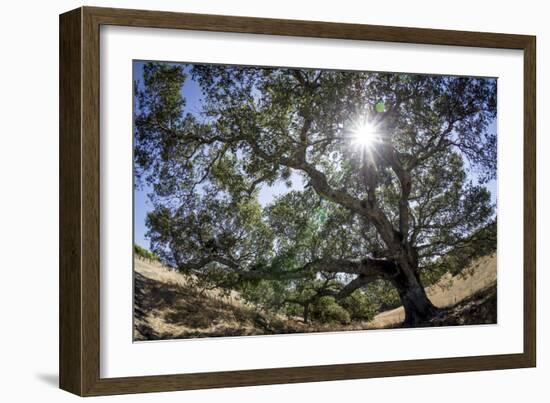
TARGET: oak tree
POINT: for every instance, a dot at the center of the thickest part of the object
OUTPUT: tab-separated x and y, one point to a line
393	171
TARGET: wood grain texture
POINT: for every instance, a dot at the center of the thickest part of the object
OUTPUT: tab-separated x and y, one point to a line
315	29
90	202
530	202
70	274
80	196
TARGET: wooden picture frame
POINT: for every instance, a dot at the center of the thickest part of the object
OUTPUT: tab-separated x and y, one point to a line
79	346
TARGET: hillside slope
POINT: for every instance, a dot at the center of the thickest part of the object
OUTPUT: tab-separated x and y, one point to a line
169	306
475	285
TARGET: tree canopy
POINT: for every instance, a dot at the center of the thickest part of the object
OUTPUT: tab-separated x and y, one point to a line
386	207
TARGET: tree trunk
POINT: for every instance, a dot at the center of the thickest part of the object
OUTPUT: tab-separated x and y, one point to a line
418	308
306	312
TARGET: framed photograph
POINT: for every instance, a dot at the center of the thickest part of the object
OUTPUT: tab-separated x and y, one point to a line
249	201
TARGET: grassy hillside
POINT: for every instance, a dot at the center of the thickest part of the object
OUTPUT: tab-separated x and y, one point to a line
457	295
168	305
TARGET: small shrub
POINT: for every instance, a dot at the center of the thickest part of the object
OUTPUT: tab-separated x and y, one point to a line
327	310
145	254
360	306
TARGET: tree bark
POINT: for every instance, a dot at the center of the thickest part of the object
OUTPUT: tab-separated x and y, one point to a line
418	307
306	313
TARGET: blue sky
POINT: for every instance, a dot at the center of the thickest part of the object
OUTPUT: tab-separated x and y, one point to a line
192	94
142	205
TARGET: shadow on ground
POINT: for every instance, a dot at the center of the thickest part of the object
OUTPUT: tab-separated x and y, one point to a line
169	305
49	379
182	311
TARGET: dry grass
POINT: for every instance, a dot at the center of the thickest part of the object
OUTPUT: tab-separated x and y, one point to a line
449	290
157	272
168	305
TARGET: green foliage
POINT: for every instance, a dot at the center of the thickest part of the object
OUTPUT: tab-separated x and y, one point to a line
481	243
327	310
145	254
383	295
407	194
266	294
360	305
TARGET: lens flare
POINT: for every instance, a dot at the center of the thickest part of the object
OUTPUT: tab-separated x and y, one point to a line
364	134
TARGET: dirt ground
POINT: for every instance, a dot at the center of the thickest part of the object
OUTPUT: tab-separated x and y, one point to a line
449	290
168	305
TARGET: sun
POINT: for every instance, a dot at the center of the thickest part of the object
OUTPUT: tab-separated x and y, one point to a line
364	134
